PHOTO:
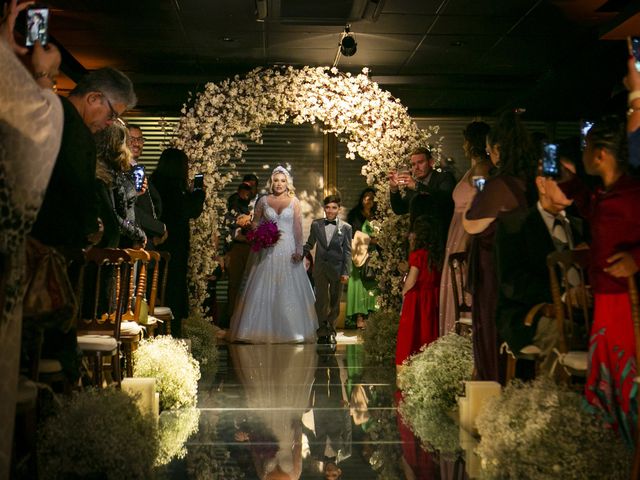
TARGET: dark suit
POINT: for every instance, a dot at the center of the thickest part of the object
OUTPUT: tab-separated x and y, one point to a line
148	210
332	419
70	207
332	260
522	244
439	184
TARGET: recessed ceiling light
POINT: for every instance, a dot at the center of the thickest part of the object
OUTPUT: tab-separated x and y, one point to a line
227	39
457	44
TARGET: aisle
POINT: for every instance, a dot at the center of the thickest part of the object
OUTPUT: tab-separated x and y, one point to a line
294	411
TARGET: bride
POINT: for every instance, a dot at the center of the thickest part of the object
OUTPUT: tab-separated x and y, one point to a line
276	302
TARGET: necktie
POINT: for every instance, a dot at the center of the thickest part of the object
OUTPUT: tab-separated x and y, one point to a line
559	233
329	222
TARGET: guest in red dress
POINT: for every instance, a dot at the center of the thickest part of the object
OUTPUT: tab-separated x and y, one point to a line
419	317
612	212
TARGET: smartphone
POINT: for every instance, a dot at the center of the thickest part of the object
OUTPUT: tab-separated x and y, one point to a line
634	49
198	181
37	25
550	166
138	177
478	182
585	126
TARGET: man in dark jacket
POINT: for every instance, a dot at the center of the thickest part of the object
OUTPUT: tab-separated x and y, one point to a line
423	179
148	204
69	213
523	241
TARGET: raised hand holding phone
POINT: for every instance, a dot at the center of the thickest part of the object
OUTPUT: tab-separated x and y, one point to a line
8	23
550	165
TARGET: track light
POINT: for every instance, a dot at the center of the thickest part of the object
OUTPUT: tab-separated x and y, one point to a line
348	45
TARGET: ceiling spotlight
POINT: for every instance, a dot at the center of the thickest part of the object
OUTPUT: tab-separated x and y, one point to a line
348	45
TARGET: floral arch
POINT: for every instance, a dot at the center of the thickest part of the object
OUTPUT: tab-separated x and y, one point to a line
375	126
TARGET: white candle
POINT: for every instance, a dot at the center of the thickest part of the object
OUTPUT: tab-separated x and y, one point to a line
472	462
156	406
477	394
143	389
463	411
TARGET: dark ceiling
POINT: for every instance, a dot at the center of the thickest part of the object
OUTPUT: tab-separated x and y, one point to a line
559	59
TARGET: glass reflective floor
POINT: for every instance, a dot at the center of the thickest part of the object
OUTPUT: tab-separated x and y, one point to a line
299	412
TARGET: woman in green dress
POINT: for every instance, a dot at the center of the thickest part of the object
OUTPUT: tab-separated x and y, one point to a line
361	294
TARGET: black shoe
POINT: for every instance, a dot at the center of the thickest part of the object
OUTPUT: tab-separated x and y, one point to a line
324	340
332	339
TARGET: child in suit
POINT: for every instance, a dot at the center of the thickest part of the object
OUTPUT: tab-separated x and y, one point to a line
332	238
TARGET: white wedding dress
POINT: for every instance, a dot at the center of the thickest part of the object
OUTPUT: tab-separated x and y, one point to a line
276	301
277	381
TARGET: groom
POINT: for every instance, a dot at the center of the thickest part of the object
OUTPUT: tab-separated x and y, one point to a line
331	266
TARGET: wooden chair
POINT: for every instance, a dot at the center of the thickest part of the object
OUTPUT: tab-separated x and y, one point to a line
462	304
153	274
159	309
100	313
568	301
130	330
529	352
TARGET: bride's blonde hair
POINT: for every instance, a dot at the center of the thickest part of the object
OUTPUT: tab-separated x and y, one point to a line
291	191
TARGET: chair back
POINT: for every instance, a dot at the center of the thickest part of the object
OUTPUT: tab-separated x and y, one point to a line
458	272
163	269
570	290
103	292
154	272
137	283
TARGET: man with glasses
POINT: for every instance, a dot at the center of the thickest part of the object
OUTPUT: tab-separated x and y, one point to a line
69	213
148	204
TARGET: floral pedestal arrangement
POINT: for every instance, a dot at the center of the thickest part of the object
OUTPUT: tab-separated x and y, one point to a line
540	430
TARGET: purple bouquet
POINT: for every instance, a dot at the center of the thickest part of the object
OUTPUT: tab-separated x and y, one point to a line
264	236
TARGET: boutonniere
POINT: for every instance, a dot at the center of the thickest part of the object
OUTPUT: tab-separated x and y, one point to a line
339	228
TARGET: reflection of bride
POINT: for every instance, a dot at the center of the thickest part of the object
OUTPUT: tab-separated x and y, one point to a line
276	302
277	380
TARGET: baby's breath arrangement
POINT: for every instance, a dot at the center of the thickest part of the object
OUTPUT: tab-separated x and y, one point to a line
98	434
174	429
374	125
380	337
175	370
541	430
435	427
203	341
384	435
432	378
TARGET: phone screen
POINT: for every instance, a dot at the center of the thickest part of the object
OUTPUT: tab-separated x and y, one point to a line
37	26
550	167
138	177
634	49
198	181
478	182
585	126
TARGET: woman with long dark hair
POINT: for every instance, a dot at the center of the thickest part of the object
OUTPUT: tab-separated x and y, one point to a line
474	146
361	294
180	204
612	213
511	150
419	317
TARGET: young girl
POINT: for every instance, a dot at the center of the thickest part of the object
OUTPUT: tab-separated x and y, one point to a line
419	317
